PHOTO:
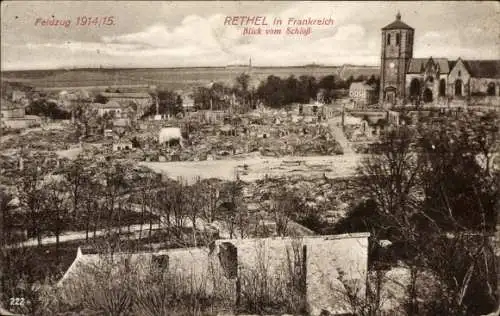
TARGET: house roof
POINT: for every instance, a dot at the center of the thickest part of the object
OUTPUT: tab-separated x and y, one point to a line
477	68
417	64
121	122
375	120
187	101
397	24
360	85
452	64
483	68
184	259
110	105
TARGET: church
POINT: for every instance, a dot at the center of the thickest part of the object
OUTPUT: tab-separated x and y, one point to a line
408	80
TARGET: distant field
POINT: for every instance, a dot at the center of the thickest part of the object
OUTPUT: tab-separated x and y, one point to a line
171	78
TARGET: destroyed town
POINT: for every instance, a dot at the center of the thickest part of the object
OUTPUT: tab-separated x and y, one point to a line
158	159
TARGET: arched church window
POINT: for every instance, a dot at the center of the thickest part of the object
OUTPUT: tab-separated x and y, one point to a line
414	87
398	39
459	73
442	87
388	39
431	79
458	87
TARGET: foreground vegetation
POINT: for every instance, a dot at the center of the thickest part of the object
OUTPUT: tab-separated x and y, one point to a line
433	191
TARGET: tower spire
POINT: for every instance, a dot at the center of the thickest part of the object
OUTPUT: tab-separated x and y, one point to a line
398	16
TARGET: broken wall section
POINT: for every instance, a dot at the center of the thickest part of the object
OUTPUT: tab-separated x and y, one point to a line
318	271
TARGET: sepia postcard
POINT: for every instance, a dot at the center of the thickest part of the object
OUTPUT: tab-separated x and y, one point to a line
223	158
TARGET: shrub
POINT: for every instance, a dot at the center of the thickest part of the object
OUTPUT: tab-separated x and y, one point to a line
122	287
280	290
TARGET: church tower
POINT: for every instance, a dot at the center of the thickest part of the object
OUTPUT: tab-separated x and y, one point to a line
397	51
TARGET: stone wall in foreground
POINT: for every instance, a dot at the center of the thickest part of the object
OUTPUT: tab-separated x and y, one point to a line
322	269
333	265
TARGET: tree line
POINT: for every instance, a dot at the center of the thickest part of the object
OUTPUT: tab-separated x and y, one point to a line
275	92
82	195
47	108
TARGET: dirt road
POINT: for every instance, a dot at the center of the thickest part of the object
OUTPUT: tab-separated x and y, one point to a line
80	235
339	135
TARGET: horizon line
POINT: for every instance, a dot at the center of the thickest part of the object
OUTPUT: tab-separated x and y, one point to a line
180	67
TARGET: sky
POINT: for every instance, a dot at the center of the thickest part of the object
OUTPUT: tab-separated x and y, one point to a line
189	34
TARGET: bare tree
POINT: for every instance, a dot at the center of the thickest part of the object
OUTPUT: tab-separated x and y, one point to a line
56	208
147	194
172	206
90	207
115	187
210	193
6	208
486	136
233	211
31	197
77	177
192	204
84	118
284	205
176	197
5	223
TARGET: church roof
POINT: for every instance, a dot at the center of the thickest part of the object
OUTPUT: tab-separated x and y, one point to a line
417	64
360	86
452	64
483	68
398	24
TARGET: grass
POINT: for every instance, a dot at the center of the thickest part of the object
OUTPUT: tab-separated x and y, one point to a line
122	288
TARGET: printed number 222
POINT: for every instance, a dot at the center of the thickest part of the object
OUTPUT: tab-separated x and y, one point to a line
16	301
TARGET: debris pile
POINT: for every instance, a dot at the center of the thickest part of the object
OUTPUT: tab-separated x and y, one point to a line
269	132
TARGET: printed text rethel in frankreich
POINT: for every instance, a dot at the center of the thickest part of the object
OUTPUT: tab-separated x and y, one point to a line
261	21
